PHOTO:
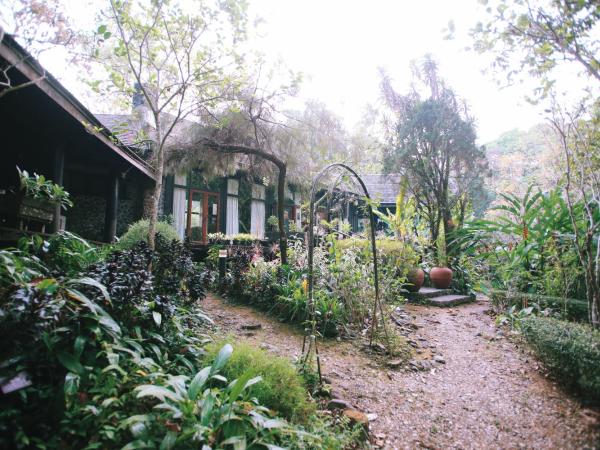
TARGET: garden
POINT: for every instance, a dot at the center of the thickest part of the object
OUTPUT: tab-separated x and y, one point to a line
210	259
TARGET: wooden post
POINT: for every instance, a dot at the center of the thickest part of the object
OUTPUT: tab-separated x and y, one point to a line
58	170
112	206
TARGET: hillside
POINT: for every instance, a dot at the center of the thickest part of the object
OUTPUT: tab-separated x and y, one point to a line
519	158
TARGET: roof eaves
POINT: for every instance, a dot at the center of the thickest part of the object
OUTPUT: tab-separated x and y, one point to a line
25	63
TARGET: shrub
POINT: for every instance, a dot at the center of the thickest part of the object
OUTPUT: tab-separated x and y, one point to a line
63	252
138	231
569	308
282	388
98	382
570	351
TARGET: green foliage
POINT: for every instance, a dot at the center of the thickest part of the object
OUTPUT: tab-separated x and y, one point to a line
239	238
571	351
344	284
38	187
528	245
138	231
103	372
282	388
566	308
63	251
535	37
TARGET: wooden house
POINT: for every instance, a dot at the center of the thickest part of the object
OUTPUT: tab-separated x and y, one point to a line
45	129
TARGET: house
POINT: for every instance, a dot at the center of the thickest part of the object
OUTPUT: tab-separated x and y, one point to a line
46	130
201	204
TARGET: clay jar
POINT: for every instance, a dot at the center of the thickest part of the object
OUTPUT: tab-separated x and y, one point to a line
441	277
415	277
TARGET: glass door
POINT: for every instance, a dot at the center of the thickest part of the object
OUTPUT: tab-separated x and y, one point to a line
196	216
203	215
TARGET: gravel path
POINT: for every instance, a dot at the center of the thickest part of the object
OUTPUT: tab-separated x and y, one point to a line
488	394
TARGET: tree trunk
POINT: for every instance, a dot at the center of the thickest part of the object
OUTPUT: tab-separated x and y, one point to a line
157	188
281	213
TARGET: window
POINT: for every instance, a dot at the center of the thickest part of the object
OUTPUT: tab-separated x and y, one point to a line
257	211
232	222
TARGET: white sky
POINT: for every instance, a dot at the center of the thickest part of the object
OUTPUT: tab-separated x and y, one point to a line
339	44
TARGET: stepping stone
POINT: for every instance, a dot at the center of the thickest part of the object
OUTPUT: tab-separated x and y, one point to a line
433	292
426	293
449	300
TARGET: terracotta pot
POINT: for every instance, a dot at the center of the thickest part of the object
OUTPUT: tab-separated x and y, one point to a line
441	277
415	277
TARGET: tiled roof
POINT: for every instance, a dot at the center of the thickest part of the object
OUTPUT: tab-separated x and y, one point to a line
122	126
383	187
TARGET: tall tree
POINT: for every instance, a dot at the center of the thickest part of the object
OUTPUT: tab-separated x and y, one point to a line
431	140
535	36
180	57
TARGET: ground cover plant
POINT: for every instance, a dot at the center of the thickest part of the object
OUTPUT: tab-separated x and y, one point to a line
110	353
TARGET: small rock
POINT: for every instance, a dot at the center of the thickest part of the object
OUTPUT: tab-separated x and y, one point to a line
394	363
337	403
425	364
357	418
372	417
251	326
439	359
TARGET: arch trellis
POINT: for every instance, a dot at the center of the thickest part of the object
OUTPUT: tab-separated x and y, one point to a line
312	344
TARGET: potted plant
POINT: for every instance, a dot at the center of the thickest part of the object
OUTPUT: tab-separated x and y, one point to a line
39	197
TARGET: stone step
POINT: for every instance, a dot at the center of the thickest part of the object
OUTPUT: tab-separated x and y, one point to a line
426	293
433	292
449	300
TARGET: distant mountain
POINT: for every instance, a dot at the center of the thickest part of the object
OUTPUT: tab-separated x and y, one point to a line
519	158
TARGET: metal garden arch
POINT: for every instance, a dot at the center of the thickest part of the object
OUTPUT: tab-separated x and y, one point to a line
311	244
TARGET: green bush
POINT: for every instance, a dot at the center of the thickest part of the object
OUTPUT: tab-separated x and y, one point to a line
571	351
569	308
138	231
109	368
282	388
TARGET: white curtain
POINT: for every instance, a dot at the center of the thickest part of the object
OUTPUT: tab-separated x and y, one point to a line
257	223
179	205
232	225
257	211
233	221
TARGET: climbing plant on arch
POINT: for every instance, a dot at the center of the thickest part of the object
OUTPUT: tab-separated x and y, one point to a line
309	344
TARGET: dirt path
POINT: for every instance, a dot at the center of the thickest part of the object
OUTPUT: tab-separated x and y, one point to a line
486	395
